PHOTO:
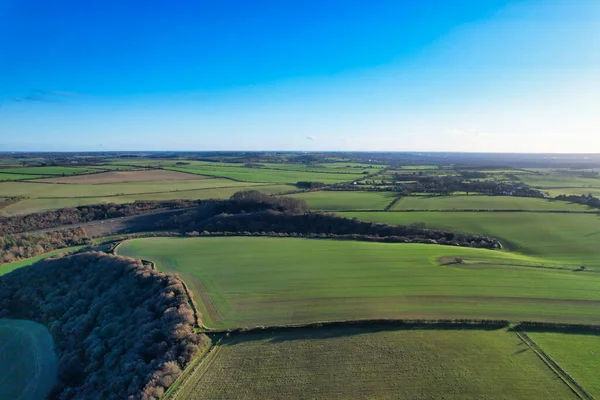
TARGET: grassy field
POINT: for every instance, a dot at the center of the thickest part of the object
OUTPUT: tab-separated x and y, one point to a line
27	360
574	191
17	177
268	175
554	180
567	238
337	200
34	205
485	203
356	363
46	190
50	170
6	268
124	176
242	281
578	354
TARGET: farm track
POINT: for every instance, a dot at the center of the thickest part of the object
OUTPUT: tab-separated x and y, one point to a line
554	366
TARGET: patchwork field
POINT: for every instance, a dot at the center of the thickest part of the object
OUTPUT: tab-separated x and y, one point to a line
566	238
125	176
27	360
34	205
557	181
46	190
475	202
17	177
268	175
247	281
577	354
358	363
337	200
49	170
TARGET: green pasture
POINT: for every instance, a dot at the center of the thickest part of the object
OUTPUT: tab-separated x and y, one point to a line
48	190
6	268
558	181
110	167
267	175
358	363
351	200
577	354
27	360
319	168
566	238
245	281
17	177
51	170
576	191
33	205
485	203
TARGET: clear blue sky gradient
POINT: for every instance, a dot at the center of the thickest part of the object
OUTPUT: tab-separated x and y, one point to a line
479	75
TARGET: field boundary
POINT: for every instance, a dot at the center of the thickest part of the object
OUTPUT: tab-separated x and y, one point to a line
381	323
553	365
393	203
480	210
206	357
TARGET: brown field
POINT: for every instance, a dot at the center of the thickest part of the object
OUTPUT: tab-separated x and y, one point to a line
125	176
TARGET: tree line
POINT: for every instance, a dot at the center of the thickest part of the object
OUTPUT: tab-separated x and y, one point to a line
76	215
249	212
17	247
121	330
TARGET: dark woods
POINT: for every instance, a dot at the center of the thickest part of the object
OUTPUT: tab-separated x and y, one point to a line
121	329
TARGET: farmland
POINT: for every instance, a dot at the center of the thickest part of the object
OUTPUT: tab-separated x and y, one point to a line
48	170
338	200
360	363
266	281
268	175
566	238
17	177
27	360
485	203
33	205
576	353
124	176
260	261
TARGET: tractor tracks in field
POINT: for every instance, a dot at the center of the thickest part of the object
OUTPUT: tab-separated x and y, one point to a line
575	387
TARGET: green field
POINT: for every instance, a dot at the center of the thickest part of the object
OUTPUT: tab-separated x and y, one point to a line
576	191
51	170
47	190
477	202
566	238
27	360
17	177
6	268
557	181
246	281
577	354
34	205
357	363
267	175
337	200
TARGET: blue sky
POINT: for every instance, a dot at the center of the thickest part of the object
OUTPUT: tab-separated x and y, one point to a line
478	75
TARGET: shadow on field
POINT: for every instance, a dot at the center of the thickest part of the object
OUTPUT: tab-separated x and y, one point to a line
324	332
